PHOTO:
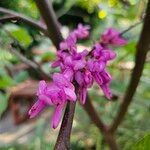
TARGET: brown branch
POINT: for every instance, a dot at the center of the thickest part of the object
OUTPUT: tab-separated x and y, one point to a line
142	49
30	63
49	16
63	140
7	18
25	60
89	108
109	138
20	17
131	27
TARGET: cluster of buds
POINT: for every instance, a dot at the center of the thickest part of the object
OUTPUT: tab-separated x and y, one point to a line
80	68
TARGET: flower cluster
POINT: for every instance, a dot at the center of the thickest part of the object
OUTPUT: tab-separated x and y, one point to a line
80	68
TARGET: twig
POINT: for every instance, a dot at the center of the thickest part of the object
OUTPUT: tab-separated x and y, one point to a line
131	27
30	63
21	17
142	49
7	18
93	116
49	16
109	138
63	140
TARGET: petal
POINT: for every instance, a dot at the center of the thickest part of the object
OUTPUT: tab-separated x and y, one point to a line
36	108
109	54
63	45
106	90
90	65
106	77
99	66
82	95
57	115
98	78
59	79
79	78
68	73
55	64
42	87
79	64
46	99
119	41
70	94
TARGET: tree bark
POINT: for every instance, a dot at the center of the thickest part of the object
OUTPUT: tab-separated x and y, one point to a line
49	16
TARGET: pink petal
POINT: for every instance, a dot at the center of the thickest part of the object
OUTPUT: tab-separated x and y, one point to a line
109	54
106	90
57	115
79	78
99	66
42	87
59	79
36	108
46	99
82	95
63	45
79	64
68	73
55	63
98	78
119	41
70	94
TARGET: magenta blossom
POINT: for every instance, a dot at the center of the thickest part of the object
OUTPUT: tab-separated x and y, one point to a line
55	94
101	53
85	80
82	32
81	68
112	37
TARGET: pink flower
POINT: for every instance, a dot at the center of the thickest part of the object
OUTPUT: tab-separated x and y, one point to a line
56	94
69	43
97	69
79	68
85	80
82	32
101	53
112	37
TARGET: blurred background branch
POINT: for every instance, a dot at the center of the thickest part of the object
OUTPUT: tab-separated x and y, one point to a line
143	47
20	17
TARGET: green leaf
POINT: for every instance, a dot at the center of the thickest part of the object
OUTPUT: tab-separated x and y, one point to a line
21	76
130	47
5	55
6	81
3	102
143	144
48	56
20	34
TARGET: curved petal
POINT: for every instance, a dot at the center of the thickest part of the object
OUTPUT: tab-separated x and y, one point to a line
106	90
70	94
42	87
46	99
98	78
55	64
36	108
79	77
57	115
79	64
68	73
82	95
